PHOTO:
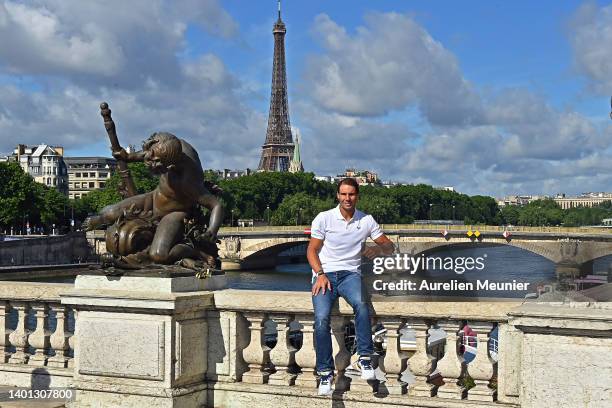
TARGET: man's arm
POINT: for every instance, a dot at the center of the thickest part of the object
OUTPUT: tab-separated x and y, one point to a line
312	253
384	246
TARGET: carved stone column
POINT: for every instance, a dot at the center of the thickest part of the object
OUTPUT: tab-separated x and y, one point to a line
481	368
342	357
58	340
450	366
19	336
283	354
393	363
421	362
39	339
255	355
4	333
306	357
70	335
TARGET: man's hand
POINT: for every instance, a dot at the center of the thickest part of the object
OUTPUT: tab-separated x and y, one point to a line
384	246
372	252
321	283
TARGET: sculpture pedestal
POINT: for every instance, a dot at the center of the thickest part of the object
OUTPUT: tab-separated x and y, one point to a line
142	340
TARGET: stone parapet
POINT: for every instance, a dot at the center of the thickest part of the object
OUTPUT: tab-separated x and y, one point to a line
161	343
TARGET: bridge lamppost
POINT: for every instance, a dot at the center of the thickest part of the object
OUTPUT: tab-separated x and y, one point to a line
297	219
430	207
453	212
268	212
232	218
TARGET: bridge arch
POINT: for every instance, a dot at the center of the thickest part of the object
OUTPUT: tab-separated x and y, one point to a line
265	254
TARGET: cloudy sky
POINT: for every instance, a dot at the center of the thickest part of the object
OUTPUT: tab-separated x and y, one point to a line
491	97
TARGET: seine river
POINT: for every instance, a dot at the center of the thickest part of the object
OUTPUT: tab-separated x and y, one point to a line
502	263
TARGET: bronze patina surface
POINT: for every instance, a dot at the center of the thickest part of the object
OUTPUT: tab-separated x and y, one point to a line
165	226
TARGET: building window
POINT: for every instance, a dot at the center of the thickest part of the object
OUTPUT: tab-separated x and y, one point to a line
77	174
103	175
92	185
102	184
92	174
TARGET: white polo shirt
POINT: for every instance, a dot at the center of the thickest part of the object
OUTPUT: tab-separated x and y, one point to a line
342	239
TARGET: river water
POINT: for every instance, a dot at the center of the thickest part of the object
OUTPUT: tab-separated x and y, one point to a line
502	263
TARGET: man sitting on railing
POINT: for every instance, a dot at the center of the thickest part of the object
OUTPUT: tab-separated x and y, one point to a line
334	254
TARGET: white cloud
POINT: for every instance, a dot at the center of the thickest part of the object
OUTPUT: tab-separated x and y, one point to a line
81	53
499	141
389	64
591	39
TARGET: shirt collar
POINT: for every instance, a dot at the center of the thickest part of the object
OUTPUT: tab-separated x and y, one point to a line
356	215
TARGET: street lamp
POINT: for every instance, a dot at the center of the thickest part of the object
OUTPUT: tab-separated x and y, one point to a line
430	207
232	218
297	219
453	212
268	211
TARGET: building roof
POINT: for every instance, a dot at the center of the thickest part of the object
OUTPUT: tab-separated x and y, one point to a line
92	159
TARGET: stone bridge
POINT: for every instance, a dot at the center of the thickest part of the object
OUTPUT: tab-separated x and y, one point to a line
572	250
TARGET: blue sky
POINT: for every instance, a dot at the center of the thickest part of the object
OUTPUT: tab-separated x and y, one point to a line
491	97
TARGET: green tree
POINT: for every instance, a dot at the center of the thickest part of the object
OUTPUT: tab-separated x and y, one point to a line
299	208
510	214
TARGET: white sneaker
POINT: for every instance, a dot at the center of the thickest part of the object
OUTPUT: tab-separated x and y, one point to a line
367	371
325	383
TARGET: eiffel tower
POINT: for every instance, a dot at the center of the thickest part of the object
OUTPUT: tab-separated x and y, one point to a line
277	150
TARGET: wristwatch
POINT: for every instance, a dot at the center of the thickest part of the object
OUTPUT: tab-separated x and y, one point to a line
320	272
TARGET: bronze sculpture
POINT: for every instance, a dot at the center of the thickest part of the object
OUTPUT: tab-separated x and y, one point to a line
164	226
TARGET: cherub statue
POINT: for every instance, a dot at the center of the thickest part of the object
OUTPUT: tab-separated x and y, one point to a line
163	226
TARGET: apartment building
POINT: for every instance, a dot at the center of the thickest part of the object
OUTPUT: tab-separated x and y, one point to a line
86	174
44	163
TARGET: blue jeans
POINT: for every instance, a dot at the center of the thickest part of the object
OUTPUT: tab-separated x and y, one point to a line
348	285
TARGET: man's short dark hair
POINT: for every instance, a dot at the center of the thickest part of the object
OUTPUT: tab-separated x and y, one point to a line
349	182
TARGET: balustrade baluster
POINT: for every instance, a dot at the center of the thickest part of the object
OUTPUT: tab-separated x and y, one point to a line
39	339
342	357
255	354
19	336
421	362
59	340
450	366
481	369
393	363
4	332
283	354
306	357
71	335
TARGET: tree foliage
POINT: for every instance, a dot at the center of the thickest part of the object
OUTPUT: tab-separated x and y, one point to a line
284	199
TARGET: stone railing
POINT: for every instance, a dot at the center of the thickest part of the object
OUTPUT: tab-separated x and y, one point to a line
36	335
422	363
168	342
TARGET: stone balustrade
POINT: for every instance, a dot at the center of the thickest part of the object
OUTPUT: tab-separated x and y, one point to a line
421	355
174	346
36	334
